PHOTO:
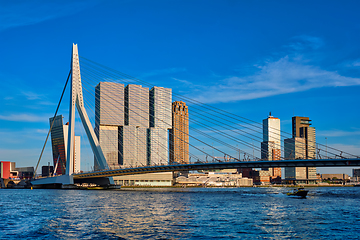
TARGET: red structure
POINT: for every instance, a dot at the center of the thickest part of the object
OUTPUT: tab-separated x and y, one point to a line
5	169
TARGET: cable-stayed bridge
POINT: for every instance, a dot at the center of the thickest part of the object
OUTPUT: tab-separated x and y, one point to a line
221	165
129	130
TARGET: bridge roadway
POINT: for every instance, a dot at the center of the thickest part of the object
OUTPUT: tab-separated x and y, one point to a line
221	165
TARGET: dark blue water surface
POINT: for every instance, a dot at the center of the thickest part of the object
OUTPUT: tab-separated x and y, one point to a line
192	213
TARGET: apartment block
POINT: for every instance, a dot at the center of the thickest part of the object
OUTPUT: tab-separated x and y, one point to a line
179	134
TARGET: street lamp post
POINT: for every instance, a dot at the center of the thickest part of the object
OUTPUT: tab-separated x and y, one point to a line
238	151
253	149
326	146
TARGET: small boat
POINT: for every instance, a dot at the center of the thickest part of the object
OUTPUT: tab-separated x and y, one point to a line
300	192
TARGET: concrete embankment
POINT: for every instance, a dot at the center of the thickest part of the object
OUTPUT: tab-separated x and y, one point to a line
17	184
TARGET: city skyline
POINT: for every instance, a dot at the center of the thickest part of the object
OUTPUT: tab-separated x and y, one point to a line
223	56
132	123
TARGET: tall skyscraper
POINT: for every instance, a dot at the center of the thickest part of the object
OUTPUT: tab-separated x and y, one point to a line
271	145
59	136
160	122
59	133
301	128
132	124
137	106
179	134
302	145
295	149
109	116
133	136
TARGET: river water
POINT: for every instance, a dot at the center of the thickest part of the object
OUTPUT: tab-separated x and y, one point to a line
191	213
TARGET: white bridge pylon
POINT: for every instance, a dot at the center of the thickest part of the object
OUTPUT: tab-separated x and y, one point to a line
76	99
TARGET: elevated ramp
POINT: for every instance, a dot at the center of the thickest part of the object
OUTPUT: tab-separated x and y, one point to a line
53	181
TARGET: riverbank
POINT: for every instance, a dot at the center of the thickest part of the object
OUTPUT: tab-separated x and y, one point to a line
254	186
16	184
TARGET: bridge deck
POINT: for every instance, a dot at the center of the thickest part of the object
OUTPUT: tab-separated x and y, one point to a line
222	165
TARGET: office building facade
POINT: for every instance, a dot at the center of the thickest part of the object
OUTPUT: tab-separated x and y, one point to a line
271	145
356	172
132	124
160	122
59	133
59	136
133	146
179	134
109	116
301	128
301	146
295	149
133	136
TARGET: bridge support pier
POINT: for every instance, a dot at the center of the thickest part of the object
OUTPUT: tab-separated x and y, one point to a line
68	182
101	181
53	182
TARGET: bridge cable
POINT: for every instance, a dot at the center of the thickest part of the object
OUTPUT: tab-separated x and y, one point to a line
212	108
52	123
136	114
200	110
222	133
183	132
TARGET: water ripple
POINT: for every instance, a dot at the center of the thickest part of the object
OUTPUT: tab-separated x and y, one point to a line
212	213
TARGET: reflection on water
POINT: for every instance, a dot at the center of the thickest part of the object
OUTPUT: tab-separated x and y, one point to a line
196	213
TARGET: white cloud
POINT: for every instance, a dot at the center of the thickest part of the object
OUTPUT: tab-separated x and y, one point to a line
356	63
42	131
338	133
304	42
163	72
22	135
184	82
285	75
25	117
26	157
23	13
352	149
32	95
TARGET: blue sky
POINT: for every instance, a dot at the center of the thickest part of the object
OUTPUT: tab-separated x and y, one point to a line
247	57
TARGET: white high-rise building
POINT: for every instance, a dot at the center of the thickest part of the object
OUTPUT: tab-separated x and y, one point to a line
109	104
132	124
160	107
133	146
109	116
158	146
271	145
136	106
133	151
160	123
271	129
77	158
